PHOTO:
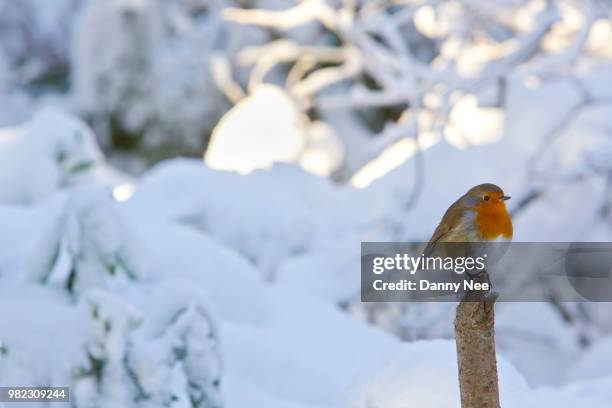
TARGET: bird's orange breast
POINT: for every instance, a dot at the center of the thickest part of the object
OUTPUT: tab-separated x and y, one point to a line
493	220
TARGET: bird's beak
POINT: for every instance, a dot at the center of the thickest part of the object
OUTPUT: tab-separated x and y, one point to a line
506	198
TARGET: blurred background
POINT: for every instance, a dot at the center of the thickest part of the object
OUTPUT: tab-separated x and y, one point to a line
252	145
332	86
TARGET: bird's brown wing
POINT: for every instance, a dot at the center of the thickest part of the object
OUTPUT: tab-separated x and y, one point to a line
441	231
451	219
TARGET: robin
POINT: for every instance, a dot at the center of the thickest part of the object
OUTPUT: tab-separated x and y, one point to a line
479	215
477	218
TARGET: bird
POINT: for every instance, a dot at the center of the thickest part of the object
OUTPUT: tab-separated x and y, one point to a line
480	215
472	226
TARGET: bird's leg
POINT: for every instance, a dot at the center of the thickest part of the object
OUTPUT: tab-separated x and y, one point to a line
480	276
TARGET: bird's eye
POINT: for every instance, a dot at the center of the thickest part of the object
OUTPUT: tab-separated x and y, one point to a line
486	198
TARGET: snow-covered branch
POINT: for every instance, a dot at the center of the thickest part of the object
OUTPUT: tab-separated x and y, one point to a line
378	63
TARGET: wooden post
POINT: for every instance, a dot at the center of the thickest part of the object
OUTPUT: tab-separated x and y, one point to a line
475	338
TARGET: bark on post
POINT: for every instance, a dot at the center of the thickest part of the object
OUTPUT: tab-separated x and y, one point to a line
475	338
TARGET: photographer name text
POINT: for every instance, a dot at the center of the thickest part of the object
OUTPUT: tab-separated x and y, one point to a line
426	285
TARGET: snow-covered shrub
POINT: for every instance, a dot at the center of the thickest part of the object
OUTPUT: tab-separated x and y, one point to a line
172	362
141	71
34	41
179	251
51	151
77	241
126	337
177	358
105	381
34	55
98	243
263	222
147	347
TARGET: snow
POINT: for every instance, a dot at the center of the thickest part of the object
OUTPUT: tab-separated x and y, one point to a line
589	366
267	127
201	261
145	65
186	276
528	332
260	130
47	152
260	326
423	374
274	224
27	359
230	278
210	285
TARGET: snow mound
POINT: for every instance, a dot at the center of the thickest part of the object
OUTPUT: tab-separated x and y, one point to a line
424	374
590	366
534	337
49	152
260	220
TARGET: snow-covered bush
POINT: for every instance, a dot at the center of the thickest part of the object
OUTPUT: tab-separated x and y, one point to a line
99	245
172	362
34	55
141	72
34	41
51	151
381	73
106	375
127	338
109	351
264	223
